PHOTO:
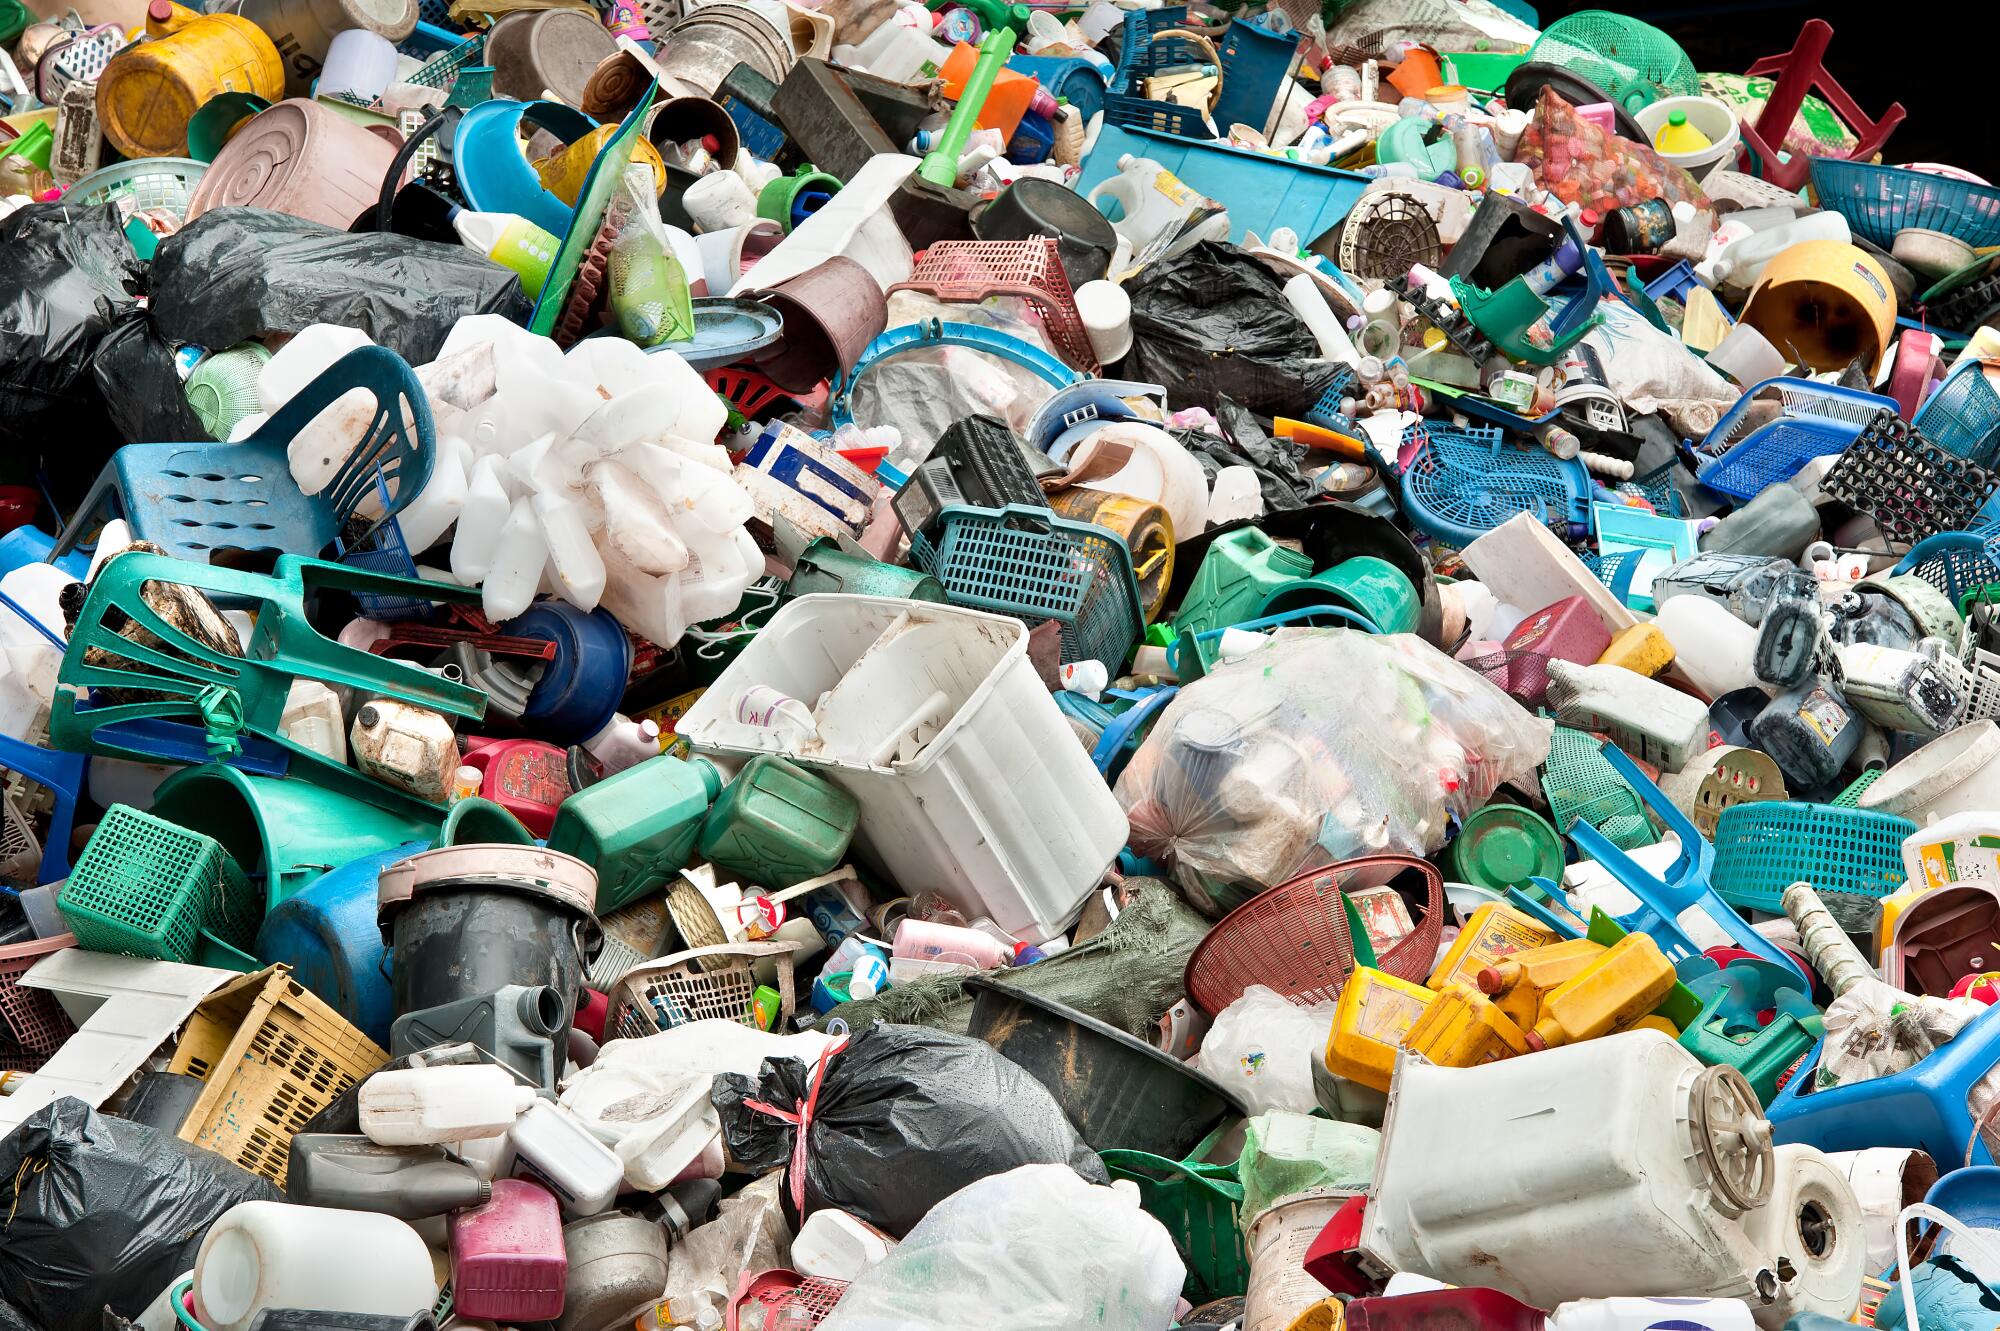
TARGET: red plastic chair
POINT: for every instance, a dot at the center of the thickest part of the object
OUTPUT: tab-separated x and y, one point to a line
1799	71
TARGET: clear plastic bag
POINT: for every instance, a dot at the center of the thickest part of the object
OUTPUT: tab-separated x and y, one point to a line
1261	1048
1287	1154
1033	1248
1582	164
1324	745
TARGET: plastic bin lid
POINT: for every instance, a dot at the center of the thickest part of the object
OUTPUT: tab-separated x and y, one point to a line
1503	845
727	330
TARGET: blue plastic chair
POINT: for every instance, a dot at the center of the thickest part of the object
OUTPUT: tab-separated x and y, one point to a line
1954	562
1920	1108
61	772
196	498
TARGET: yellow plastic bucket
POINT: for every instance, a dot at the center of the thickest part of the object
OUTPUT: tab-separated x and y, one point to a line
149	92
1824	302
563	174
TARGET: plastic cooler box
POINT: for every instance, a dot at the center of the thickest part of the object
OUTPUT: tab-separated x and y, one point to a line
967	777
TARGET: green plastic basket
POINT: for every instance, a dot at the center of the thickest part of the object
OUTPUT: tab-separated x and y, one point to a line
1763	848
1199	1205
1634	62
146	887
1850	798
146	182
1581	784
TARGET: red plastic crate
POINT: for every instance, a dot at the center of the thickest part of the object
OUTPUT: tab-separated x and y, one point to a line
974	270
32	1017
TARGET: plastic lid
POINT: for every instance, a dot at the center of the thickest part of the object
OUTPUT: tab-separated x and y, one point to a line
1677	118
1503	845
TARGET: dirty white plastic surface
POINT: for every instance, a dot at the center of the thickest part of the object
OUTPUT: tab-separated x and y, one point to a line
1712	647
1960	848
273	1255
1659	724
1523	564
553	1148
312	718
1957	773
835	1246
421	1106
657	1123
992	802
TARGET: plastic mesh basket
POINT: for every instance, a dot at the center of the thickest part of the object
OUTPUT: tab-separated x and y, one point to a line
1160	117
146	887
1326	412
1628	59
149	182
1035	565
1583	786
696	985
761	1299
1953	562
442	70
1030	270
1522	676
1763	848
1200	1206
1879	201
32	1018
1963	416
1461	484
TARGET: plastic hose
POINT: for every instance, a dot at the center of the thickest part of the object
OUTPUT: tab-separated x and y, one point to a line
174	1298
940	168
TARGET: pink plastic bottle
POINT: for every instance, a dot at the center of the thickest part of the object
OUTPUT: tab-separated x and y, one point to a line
507	1258
920	940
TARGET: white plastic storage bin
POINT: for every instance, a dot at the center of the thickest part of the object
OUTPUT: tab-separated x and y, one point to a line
931	716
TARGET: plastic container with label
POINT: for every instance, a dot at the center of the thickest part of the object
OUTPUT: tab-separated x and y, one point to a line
1518	984
1624	984
270	1255
1376	1010
354	1174
507	1256
529	778
1495	931
420	1106
1661	725
1741	584
1463	1028
554	1148
1810	732
922	940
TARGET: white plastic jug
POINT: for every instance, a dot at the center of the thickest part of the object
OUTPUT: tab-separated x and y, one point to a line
573	557
554	1149
312	718
430	515
1151	200
307	355
1659	724
424	1106
835	1246
1711	646
412	748
1742	262
271	1255
517	565
624	742
481	517
638	525
901	52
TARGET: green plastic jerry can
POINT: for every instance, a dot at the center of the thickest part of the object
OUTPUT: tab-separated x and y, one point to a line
1239	572
779	824
638	827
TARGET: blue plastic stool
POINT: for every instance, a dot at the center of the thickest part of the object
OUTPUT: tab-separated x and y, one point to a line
196	498
62	773
1921	1108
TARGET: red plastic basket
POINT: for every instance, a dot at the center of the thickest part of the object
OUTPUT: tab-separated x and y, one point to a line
973	270
746	390
32	1017
781	1287
1294	938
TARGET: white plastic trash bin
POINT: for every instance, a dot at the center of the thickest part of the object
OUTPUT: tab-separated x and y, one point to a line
931	716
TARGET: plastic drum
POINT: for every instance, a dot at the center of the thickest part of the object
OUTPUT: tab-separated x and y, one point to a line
298	158
580	690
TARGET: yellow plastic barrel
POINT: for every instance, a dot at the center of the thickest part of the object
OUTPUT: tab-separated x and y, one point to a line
149	92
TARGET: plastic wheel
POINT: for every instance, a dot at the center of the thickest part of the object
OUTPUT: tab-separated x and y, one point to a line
1733	1138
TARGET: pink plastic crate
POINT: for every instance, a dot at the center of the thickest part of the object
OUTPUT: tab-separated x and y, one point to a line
1569	630
508	1263
31	1018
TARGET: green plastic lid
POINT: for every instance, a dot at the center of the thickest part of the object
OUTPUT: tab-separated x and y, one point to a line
1503	845
35	143
14	20
1677	118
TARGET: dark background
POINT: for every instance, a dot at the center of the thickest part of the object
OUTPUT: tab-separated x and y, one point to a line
1902	52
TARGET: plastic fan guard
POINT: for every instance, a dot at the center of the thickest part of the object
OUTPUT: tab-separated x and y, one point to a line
973	270
1387	233
1765	847
1294	940
1461	484
746	390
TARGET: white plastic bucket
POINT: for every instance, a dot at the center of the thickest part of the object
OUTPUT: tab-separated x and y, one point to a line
1280	1289
1706	114
1957	772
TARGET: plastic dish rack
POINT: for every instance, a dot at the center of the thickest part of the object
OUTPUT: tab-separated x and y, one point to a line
769	1292
150	182
1461	484
1030	270
718	981
1879	201
31	1018
1581	785
1034	565
1911	487
1963	416
1741	459
1763	848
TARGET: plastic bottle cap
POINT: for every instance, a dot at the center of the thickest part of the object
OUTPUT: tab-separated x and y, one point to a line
161	10
1489	980
1677	118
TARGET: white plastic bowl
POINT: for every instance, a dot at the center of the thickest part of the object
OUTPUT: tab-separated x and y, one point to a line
1706	114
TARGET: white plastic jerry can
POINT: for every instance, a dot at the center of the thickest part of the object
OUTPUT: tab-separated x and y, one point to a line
426	1106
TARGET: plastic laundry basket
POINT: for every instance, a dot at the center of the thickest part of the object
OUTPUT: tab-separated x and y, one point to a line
1763	848
32	1018
717	982
1879	201
968	778
1963	416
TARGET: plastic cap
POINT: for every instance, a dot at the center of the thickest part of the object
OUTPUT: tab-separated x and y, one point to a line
1677	118
1490	980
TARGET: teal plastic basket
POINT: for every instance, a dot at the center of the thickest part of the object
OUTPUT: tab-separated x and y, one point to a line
1879	201
1763	848
1963	416
1582	786
145	887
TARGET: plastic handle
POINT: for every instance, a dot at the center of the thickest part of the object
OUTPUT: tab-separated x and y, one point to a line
940	168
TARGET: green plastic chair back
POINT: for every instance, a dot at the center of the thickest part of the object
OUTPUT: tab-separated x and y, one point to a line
1199	1205
180	680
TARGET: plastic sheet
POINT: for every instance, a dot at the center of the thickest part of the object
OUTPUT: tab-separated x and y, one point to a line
241	273
106	1212
1032	1248
1324	745
1286	1154
904	1117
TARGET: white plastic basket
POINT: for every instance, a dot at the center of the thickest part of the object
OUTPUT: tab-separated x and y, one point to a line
932	717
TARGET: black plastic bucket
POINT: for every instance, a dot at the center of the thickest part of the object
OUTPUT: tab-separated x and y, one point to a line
466	940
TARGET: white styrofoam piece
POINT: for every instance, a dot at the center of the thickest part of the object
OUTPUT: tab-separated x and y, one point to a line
1524	564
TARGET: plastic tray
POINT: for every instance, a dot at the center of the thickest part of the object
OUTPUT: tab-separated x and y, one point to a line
1462	484
1879	201
149	182
718	981
1818	420
1763	848
1912	488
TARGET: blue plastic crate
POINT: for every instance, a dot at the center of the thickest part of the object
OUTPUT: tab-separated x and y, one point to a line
1326	412
432	35
1879	201
1764	847
1262	192
1135	40
1963	416
1818	420
1256	63
1185	122
1461	484
760	137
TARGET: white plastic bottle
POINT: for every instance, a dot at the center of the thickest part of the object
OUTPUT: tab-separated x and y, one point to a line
517	565
312	718
1151	198
1713	647
303	358
430	515
1634	1314
272	1255
454	1103
481	517
512	242
623	743
638	524
556	1150
836	1246
573	557
1742	262
411	748
1646	718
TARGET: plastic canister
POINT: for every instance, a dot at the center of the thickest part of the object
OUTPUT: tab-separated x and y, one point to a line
1714	648
638	827
1810	732
779	824
352	1173
304	29
529	778
507	1257
299	158
1495	931
1463	1028
1625	983
1519	983
411	748
1280	1288
1375	1011
270	1255
1661	725
423	1106
148	92
1240	570
553	1147
835	1246
519	1024
1150	200
1779	521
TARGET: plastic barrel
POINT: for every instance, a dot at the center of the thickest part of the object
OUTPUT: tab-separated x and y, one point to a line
303	29
149	92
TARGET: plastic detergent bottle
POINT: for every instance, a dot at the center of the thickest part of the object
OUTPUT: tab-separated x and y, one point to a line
1152	200
1661	725
512	242
1678	136
1376	1011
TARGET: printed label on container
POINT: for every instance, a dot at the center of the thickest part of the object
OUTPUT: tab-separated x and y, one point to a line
1822	715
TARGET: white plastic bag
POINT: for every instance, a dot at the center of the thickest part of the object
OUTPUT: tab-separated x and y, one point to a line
1261	1049
1033	1248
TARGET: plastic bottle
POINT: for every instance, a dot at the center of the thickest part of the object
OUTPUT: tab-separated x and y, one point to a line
424	1106
1495	930
312	718
921	940
1789	639
512	242
835	1246
508	1261
552	1147
270	1255
1627	982
481	517
1810	732
1742	262
1630	1314
624	743
1779	521
355	1174
1376	1010
1663	726
573	557
1519	984
1739	583
517	565
410	747
1714	648
1463	1028
1152	200
430	515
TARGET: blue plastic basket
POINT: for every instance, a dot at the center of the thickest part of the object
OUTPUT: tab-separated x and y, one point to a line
1963	416
1763	848
1159	117
1029	563
1135	57
1818	420
1954	562
1461	484
1255	65
1879	201
1326	412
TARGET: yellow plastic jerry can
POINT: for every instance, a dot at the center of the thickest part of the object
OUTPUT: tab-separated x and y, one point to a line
1462	1028
1627	982
1376	1011
1519	983
1493	932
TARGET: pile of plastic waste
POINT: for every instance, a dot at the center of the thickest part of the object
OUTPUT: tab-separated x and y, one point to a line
774	664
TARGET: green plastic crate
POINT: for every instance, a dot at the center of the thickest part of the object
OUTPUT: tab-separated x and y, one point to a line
146	887
1199	1205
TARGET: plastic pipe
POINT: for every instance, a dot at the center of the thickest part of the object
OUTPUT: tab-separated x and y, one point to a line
940	168
1309	303
1827	948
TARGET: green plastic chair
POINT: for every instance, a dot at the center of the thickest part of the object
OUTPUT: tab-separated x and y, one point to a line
1200	1207
189	691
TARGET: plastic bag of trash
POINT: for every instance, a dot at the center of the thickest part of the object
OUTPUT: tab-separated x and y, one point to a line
1286	1154
105	1211
142	389
1262	1046
241	273
1214	320
1033	1248
1650	371
1581	164
902	1117
747	1234
1323	745
1276	461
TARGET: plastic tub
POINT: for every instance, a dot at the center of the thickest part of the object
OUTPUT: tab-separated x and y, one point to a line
1706	114
298	158
1958	772
1120	1094
553	49
149	92
999	808
304	29
327	934
493	171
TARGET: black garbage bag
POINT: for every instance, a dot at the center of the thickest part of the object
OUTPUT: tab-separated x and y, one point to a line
1276	461
1215	320
142	388
103	1212
905	1117
240	273
67	277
